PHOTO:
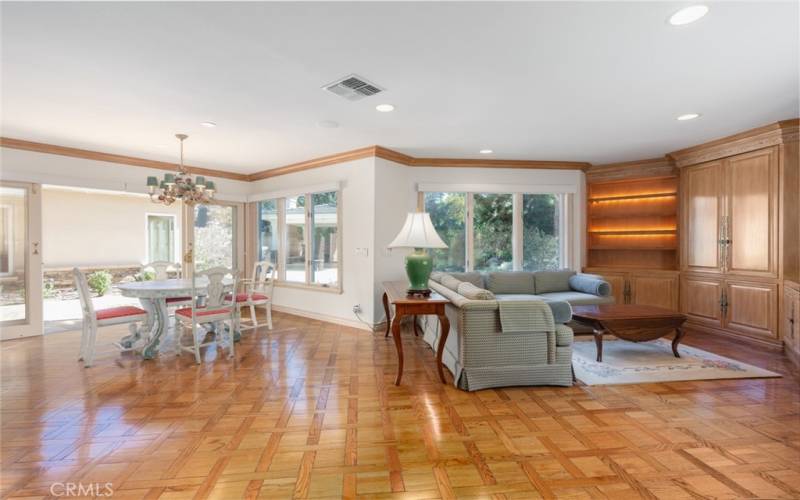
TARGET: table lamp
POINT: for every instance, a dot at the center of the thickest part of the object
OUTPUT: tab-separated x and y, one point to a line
418	233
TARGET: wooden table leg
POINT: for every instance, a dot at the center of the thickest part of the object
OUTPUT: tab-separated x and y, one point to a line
416	327
598	340
679	333
442	340
398	343
388	313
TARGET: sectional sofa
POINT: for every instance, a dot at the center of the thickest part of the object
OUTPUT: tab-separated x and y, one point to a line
511	328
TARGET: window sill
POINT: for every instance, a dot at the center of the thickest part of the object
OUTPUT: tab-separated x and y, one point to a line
315	288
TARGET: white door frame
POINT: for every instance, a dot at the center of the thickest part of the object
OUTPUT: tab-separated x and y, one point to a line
33	323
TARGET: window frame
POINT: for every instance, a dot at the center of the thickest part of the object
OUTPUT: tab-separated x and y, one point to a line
176	247
282	229
563	213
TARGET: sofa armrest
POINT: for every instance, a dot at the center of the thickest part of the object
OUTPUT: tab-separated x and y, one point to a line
590	283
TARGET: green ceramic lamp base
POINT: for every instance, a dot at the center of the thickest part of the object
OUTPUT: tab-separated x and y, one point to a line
418	269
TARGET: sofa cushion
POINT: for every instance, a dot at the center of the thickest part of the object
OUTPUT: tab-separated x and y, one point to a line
577	298
511	282
450	282
437	276
562	311
474	277
590	283
473	292
552	281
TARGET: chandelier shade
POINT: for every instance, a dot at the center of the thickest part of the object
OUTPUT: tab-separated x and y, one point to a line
181	186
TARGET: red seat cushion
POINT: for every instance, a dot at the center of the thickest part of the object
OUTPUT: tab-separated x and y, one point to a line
178	299
243	297
119	312
187	312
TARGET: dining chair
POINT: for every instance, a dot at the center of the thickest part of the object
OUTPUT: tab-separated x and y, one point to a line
217	308
257	292
92	319
161	269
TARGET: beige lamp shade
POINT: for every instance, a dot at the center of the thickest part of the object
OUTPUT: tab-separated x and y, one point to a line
418	232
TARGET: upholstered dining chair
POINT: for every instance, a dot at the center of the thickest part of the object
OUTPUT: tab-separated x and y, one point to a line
161	269
95	318
218	309
257	292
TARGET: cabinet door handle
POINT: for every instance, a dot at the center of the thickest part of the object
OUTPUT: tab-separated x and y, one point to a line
723	303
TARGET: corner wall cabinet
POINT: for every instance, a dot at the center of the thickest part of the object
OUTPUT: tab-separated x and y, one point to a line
632	231
735	206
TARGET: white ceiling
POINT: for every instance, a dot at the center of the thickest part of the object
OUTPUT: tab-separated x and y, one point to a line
597	82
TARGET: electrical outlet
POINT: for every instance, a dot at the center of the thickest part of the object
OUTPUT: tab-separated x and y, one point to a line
357	309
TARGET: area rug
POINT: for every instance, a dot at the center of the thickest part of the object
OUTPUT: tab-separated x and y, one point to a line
648	362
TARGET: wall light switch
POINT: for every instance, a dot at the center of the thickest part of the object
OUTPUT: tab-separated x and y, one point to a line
363	252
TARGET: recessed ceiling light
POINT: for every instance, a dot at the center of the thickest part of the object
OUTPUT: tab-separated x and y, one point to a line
688	116
327	124
486	151
209	124
688	15
384	108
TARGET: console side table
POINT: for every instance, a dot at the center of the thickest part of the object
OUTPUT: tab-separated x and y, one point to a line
394	294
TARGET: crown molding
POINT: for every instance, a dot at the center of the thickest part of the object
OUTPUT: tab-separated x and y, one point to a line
323	161
769	135
776	133
52	149
472	163
410	161
654	167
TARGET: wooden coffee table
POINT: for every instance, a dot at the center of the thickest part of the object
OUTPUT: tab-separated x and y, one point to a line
630	322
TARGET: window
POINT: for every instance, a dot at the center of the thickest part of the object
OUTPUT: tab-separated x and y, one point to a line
161	238
541	244
497	231
268	235
324	234
493	223
295	239
449	214
300	236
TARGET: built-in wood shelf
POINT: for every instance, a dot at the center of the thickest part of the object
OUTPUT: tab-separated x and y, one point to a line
633	223
636	231
645	196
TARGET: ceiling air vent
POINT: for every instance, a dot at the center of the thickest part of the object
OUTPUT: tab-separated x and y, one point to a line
353	88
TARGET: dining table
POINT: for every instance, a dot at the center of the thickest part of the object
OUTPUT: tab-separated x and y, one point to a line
153	295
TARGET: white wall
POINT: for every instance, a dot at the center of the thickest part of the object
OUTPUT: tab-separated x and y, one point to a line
357	179
394	198
91	228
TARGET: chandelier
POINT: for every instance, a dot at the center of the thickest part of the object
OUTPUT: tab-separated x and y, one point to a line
181	186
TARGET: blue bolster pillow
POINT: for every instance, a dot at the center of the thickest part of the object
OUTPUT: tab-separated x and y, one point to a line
588	283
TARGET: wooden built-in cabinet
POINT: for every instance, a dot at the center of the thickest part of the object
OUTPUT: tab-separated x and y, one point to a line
643	287
632	231
735	205
633	223
790	320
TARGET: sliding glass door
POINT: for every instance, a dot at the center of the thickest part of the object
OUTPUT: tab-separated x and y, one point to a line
213	238
20	260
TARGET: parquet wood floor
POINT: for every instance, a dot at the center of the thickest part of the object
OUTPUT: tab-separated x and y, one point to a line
310	410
